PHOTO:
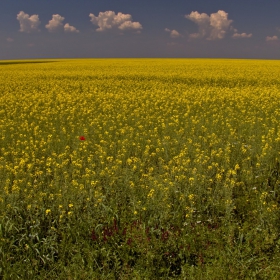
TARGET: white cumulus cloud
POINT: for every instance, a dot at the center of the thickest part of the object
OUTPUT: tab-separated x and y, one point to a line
55	23
213	27
28	23
109	19
273	38
130	25
241	35
173	33
70	28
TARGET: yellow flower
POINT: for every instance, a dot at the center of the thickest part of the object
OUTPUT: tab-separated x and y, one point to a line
237	167
151	193
191	180
191	196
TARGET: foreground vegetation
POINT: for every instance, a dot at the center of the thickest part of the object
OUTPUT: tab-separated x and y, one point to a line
140	169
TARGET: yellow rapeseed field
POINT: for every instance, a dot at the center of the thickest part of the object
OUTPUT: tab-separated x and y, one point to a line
187	148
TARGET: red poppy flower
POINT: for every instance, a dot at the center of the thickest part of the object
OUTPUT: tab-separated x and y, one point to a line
82	138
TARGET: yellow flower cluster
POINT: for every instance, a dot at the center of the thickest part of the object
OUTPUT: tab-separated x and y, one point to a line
169	130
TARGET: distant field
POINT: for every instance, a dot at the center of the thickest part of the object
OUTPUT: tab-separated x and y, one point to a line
140	169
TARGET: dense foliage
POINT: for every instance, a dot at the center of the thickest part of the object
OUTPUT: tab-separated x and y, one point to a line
139	169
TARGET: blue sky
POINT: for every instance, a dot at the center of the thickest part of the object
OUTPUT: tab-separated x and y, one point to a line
139	28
